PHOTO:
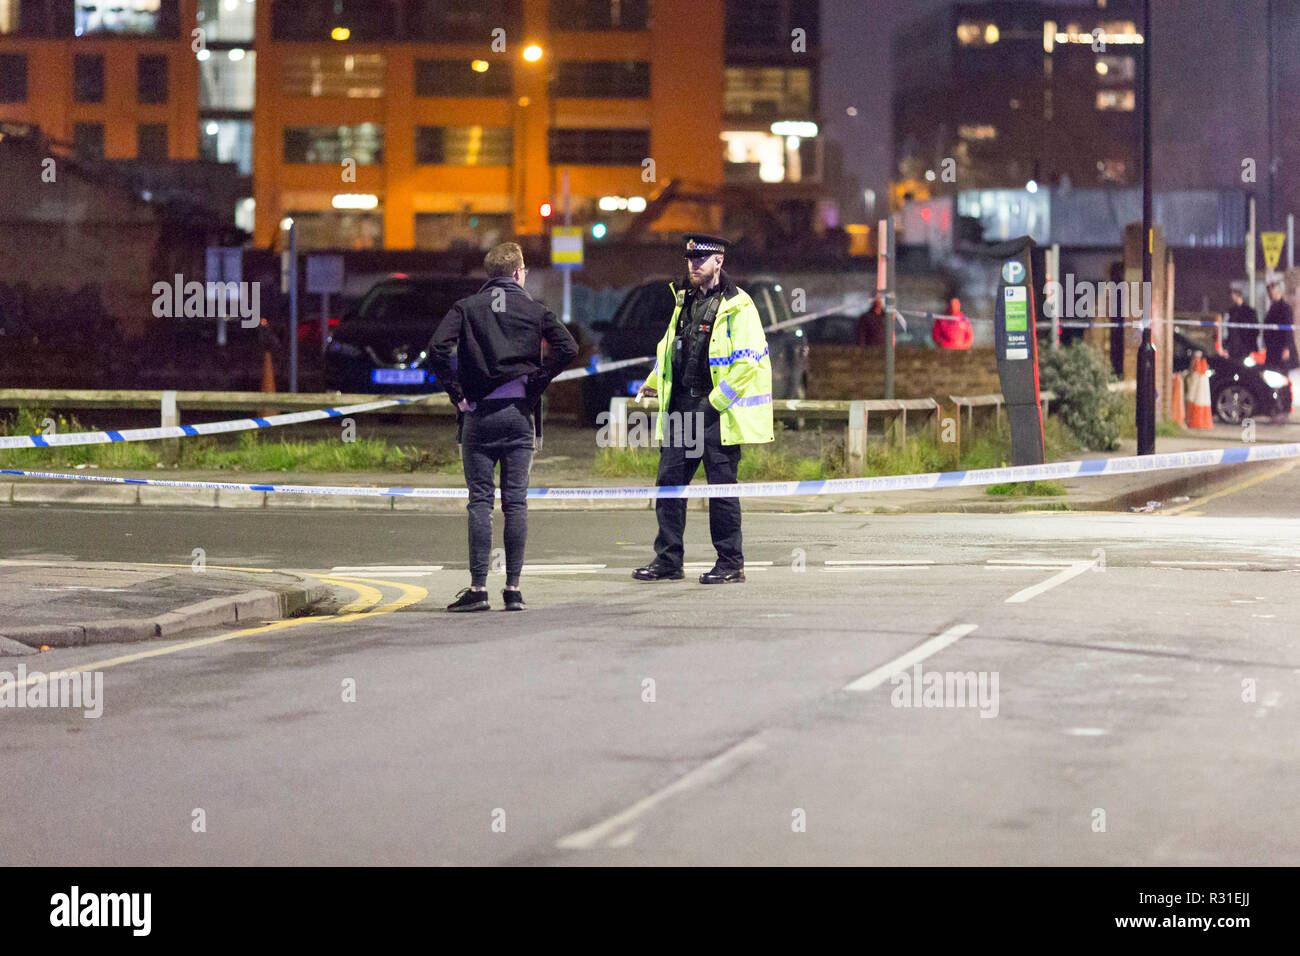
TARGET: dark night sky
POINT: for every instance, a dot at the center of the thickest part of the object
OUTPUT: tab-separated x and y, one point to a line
1208	79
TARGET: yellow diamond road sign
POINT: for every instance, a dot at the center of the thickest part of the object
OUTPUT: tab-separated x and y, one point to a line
566	246
1272	243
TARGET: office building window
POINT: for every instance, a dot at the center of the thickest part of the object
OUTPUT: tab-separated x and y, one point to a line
1115	69
223	21
462	77
751	23
151	142
88	78
349	75
976	33
228	80
339	229
227	141
767	91
88	140
151	78
1123	100
603	78
463	145
599	14
363	143
138	17
356	21
599	147
461	230
453	21
13	78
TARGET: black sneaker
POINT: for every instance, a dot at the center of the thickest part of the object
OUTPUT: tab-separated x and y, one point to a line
470	600
657	572
514	600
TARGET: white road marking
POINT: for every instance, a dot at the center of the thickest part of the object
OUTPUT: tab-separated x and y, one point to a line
563	568
388	568
708	564
1207	564
923	650
880	567
1036	562
704	774
888	561
1020	597
1085	732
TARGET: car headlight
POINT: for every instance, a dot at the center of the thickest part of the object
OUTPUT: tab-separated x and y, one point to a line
1274	379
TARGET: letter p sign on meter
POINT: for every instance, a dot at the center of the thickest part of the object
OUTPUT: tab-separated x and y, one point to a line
1017	352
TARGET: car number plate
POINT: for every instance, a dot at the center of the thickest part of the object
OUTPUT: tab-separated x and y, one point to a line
397	376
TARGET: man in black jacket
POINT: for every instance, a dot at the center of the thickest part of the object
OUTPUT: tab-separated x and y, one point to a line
497	383
1279	343
1240	342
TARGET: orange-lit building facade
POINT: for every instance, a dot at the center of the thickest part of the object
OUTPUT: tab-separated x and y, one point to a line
393	123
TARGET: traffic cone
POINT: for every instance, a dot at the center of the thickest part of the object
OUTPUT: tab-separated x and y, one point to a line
1199	413
268	383
1177	410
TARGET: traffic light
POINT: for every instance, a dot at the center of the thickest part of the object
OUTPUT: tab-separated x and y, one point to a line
545	210
598	230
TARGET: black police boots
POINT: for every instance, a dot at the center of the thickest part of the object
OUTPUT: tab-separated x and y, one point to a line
723	576
657	572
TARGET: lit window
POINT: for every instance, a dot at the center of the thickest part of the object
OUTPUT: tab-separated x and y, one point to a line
1122	100
350	75
226	83
1116	69
977	33
120	16
981	131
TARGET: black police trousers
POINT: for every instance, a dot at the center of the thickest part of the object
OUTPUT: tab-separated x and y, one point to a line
679	458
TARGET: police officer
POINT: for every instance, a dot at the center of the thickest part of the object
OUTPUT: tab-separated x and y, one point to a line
714	382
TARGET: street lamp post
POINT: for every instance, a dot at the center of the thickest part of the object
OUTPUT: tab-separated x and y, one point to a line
1146	356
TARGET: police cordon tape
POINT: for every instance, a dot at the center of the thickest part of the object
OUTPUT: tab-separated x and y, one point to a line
249	424
1084	468
110	436
1089	324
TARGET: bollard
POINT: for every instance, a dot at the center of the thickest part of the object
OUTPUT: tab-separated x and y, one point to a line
171	417
855	440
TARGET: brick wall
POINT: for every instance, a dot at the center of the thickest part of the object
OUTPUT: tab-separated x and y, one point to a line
848	372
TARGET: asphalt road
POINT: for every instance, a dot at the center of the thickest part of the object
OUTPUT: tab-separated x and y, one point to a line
1141	678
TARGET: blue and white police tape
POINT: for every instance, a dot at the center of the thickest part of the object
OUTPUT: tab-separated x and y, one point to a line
1068	323
1085	468
184	431
247	424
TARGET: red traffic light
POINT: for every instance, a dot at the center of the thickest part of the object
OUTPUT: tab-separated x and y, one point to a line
545	210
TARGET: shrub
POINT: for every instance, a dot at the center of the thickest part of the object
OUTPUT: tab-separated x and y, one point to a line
1079	376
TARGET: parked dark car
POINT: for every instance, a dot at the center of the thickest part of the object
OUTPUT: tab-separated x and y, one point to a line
642	318
1237	391
379	346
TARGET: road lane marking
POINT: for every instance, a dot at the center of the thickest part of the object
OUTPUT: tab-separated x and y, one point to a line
885	561
411	594
1020	597
619	826
933	645
879	567
1231	489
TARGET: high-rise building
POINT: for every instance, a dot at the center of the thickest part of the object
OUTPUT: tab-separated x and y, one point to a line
996	95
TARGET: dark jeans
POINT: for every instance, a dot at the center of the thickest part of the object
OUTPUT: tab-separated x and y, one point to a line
497	431
677	468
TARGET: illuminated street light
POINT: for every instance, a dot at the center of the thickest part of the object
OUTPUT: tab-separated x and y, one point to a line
532	53
479	66
340	33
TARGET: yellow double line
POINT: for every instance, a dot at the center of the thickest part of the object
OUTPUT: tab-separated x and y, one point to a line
357	609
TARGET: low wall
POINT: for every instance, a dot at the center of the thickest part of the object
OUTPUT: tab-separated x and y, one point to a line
850	372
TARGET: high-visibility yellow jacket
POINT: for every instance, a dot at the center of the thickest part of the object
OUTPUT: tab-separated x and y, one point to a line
738	365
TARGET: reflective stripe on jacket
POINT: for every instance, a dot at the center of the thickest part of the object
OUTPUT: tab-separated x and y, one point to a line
739	367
